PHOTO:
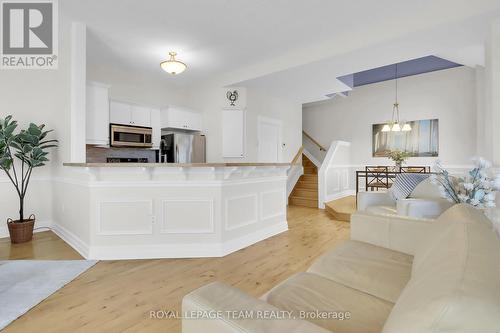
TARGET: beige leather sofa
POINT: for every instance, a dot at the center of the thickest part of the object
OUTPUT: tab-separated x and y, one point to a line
424	202
392	277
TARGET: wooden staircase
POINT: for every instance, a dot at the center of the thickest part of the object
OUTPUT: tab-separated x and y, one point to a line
305	192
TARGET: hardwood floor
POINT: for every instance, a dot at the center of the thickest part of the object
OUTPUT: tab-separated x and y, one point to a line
117	296
45	246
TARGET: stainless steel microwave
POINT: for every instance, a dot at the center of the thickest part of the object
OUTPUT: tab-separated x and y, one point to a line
130	136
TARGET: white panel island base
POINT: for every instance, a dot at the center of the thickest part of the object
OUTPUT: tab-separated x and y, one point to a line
168	211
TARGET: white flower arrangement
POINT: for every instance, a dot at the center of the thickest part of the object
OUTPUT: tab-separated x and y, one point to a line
476	188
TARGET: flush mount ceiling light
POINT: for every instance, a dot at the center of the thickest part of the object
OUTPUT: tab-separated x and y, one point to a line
173	66
395	125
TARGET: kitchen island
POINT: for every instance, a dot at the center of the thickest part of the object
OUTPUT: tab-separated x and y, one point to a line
157	210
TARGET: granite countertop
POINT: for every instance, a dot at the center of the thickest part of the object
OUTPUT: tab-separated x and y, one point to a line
173	165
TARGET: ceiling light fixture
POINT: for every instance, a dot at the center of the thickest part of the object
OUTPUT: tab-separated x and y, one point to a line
395	125
173	66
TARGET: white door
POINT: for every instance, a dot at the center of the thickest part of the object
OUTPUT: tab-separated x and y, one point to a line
119	113
140	116
269	140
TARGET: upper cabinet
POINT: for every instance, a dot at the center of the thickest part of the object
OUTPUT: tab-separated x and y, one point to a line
175	117
97	114
119	113
233	133
140	116
129	114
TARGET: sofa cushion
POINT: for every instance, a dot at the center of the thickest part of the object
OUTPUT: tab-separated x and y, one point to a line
423	208
455	283
384	210
372	269
426	190
310	292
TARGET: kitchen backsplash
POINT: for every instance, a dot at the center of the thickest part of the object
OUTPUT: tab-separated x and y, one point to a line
100	154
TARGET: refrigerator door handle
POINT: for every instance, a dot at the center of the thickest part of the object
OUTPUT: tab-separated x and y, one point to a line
176	153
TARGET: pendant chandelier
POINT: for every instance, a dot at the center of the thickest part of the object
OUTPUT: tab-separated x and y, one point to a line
395	125
173	66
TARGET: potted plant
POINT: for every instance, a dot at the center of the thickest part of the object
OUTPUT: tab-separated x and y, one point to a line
399	157
29	147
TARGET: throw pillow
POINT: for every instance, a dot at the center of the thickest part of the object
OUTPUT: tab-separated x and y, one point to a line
405	183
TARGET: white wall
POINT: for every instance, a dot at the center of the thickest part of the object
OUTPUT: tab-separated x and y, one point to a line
136	87
449	95
41	97
492	79
211	100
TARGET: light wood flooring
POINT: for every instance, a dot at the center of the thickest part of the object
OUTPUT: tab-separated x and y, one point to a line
45	246
117	296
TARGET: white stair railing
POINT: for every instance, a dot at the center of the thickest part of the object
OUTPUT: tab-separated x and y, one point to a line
296	170
313	150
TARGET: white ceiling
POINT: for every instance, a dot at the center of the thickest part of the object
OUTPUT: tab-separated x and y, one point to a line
230	41
461	42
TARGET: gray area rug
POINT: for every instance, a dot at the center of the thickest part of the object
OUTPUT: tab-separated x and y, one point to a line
25	283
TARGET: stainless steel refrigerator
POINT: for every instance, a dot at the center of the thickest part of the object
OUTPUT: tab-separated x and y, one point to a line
179	147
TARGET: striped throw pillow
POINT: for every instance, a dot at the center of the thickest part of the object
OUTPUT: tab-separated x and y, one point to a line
405	183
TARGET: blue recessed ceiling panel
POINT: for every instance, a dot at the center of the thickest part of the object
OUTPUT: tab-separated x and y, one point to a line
406	68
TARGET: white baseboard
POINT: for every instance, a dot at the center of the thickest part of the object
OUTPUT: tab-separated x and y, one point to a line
4	231
157	251
72	240
193	250
255	237
340	195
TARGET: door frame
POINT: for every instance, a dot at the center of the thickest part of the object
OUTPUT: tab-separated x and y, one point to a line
270	121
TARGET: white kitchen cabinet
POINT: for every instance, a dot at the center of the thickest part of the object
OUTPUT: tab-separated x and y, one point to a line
194	121
175	117
140	115
156	125
130	114
119	113
233	133
97	114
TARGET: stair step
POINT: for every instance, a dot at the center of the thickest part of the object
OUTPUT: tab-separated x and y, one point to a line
306	202
341	209
307	185
305	193
309	170
311	178
337	215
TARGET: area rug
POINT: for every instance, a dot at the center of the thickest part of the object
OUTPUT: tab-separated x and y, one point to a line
25	283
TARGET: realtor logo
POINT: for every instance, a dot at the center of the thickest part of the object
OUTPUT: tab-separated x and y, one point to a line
29	34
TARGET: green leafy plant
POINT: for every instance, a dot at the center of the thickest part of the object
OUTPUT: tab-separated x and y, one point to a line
399	157
29	146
